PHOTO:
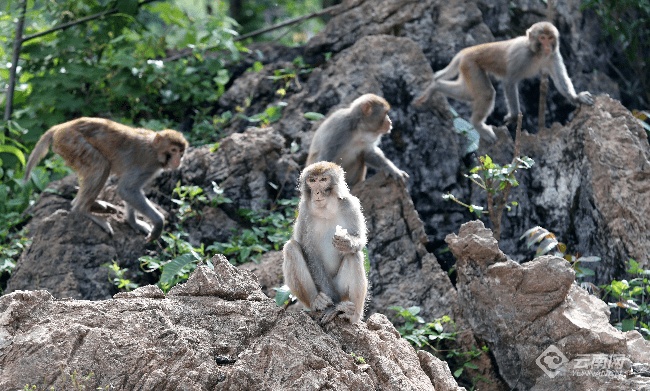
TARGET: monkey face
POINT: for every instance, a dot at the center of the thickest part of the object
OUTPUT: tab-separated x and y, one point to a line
320	187
174	156
547	42
386	125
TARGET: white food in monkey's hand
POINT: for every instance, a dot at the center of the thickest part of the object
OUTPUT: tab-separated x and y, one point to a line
340	231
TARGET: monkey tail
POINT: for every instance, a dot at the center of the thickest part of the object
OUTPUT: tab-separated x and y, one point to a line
39	152
450	71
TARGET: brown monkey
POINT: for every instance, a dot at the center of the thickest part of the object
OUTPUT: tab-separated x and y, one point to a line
350	138
96	147
323	262
512	60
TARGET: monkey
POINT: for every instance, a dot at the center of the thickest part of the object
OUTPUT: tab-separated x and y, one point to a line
96	147
323	261
350	138
512	61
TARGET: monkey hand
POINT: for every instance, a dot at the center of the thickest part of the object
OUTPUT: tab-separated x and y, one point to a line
343	243
585	97
321	302
400	176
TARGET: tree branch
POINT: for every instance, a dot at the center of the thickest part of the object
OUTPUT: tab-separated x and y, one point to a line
79	21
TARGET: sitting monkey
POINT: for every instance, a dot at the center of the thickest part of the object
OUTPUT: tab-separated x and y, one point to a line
323	261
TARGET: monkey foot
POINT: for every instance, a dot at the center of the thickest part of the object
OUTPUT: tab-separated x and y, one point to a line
141	226
103	207
347	308
328	315
321	302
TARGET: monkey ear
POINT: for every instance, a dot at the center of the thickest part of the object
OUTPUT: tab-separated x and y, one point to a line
366	109
157	139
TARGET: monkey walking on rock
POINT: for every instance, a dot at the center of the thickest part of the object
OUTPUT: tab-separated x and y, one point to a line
350	138
96	147
323	261
512	61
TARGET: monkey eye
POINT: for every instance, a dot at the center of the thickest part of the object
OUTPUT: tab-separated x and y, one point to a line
323	179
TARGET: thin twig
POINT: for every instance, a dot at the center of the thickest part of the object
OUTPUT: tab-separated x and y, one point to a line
327	10
9	105
289	22
79	21
543	91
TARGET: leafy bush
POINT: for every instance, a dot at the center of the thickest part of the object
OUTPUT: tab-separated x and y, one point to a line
630	297
431	335
269	230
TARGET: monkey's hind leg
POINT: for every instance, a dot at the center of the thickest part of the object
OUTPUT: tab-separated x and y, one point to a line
298	278
91	184
351	280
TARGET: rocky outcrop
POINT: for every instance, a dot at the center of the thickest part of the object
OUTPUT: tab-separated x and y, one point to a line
215	332
543	329
588	186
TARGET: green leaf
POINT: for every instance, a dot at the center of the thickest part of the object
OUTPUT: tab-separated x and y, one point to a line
627	325
313	116
282	295
458	372
14	151
171	269
129	7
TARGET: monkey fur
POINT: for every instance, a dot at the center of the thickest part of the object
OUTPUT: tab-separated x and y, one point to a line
512	61
96	147
323	261
350	138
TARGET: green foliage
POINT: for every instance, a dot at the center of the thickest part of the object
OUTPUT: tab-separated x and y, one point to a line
466	129
189	199
548	242
269	230
431	335
283	295
183	259
627	23
422	336
257	14
494	179
268	116
357	358
313	116
630	300
116	276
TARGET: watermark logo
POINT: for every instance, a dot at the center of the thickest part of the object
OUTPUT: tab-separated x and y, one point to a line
551	360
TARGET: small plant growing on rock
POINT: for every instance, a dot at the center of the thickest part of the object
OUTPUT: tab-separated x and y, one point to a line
431	335
118	278
497	181
630	297
270	229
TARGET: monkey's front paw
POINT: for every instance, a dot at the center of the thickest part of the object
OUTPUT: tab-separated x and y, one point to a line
586	98
321	302
401	176
342	243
